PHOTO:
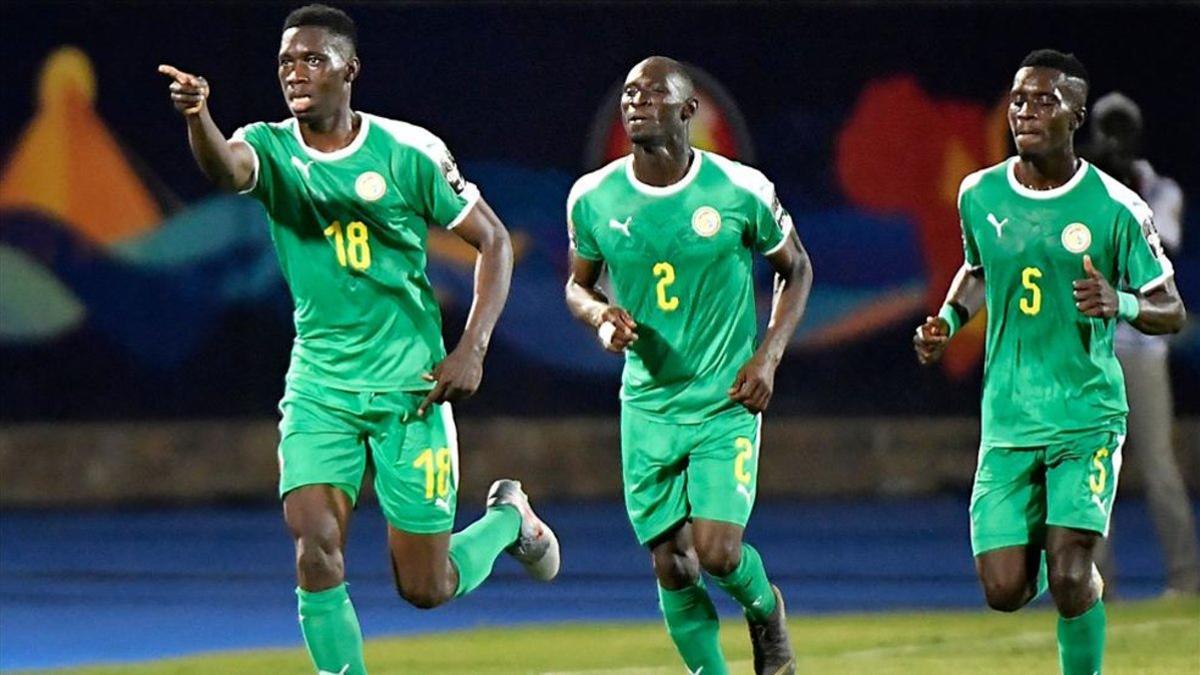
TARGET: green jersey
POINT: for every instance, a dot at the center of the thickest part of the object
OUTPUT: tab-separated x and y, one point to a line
350	230
1049	372
680	264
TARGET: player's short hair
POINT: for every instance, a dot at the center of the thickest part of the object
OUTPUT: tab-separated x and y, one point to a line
330	18
1052	58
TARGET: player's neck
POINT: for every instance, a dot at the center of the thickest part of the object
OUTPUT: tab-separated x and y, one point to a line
1048	171
331	133
664	164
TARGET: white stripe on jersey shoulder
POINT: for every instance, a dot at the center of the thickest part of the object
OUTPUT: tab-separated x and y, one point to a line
415	137
746	177
1142	214
972	179
1120	193
588	182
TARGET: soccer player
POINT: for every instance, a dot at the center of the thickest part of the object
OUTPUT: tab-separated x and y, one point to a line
1059	252
350	198
676	228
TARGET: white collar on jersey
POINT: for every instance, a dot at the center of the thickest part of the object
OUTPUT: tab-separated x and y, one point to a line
663	191
1043	194
336	154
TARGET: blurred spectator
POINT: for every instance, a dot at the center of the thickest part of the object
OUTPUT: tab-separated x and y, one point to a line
1115	147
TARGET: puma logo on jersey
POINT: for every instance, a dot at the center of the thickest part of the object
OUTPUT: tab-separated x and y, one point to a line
302	166
442	504
623	228
998	224
1099	504
745	492
343	671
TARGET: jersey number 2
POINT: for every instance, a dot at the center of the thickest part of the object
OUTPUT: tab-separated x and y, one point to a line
1033	304
665	272
351	244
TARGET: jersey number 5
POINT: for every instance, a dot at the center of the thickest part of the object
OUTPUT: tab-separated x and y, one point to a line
1033	304
352	245
665	272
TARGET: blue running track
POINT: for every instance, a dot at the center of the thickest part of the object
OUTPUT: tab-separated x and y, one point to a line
82	587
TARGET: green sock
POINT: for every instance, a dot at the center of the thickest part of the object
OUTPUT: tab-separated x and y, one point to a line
693	625
331	631
1081	641
749	586
474	550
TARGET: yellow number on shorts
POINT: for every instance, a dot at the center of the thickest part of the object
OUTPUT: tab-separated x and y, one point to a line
739	466
1096	482
437	468
352	246
666	271
1033	304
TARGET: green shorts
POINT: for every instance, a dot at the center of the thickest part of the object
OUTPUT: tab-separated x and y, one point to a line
673	472
327	435
1020	491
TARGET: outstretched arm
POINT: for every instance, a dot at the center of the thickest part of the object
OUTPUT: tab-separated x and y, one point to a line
459	375
755	382
963	301
615	326
230	166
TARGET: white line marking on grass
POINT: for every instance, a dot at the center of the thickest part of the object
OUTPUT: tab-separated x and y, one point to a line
1028	638
637	670
1025	639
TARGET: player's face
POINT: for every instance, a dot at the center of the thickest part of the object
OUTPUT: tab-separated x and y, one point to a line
315	72
653	107
1040	114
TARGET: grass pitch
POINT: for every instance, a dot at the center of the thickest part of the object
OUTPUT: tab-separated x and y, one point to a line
1160	636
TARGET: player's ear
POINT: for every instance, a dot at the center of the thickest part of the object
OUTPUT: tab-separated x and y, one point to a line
688	111
353	68
1080	115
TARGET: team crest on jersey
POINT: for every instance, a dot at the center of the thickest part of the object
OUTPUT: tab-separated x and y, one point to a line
1076	237
370	186
706	221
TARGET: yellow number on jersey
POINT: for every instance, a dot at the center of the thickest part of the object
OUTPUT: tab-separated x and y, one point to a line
1097	481
437	468
739	465
666	272
358	253
1033	304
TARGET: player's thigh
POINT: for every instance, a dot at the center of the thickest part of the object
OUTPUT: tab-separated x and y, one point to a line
1008	499
416	465
1081	481
653	458
320	440
722	468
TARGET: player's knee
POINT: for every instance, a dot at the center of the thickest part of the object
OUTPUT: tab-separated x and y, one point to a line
424	595
675	571
1005	599
1067	580
318	564
1006	595
719	556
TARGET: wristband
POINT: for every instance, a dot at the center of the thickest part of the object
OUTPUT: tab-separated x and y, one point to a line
1128	307
950	316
